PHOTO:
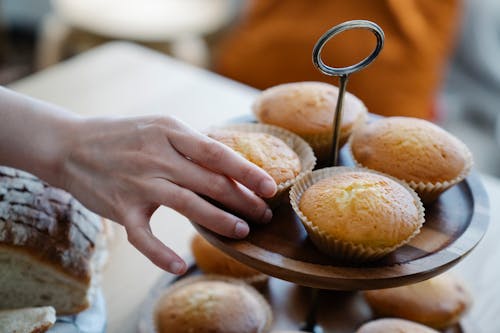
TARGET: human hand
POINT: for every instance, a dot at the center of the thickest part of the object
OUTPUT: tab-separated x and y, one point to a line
124	169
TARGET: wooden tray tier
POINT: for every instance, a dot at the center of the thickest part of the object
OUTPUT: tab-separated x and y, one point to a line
338	311
454	225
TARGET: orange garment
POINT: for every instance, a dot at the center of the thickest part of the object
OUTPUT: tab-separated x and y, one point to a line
273	40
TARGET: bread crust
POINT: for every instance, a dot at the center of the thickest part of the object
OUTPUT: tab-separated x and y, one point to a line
51	247
47	223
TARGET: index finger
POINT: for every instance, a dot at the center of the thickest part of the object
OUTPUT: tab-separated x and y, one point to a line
219	158
153	248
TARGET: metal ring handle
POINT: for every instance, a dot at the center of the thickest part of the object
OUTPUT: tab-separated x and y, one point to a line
341	71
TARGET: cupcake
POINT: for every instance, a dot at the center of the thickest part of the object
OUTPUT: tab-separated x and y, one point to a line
212	304
211	260
282	154
307	109
416	151
355	214
393	325
438	302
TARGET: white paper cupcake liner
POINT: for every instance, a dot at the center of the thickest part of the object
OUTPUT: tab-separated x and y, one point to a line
344	250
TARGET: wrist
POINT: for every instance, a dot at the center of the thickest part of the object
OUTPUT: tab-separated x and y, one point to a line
55	150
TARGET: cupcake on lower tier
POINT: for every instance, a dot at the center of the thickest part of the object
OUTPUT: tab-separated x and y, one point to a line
212	304
282	154
438	302
211	260
356	214
307	109
422	154
393	325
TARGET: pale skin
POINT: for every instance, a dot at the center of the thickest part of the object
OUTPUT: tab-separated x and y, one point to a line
125	168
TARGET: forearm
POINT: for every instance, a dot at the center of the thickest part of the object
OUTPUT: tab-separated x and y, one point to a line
124	169
34	135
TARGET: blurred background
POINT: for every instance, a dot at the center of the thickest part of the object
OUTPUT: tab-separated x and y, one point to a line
36	34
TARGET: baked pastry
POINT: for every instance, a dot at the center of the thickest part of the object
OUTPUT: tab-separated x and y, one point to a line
416	151
438	302
212	304
282	154
307	109
51	247
211	260
393	325
27	320
266	151
356	214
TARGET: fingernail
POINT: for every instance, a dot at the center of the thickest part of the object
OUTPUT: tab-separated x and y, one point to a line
268	215
176	267
241	229
267	188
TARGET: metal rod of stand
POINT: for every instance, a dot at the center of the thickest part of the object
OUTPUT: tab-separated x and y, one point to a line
310	324
337	121
343	73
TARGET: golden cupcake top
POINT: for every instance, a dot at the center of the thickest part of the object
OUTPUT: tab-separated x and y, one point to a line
394	325
410	149
264	150
211	305
307	107
438	302
363	208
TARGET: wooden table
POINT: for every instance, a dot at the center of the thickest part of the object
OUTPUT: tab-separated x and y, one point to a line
125	79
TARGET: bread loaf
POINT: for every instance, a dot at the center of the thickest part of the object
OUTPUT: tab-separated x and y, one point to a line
50	245
27	320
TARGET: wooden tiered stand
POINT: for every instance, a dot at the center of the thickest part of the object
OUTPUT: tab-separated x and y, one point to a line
454	225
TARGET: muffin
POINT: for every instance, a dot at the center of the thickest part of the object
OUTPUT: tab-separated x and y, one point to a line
356	214
307	109
438	302
212	304
282	154
393	325
416	151
211	260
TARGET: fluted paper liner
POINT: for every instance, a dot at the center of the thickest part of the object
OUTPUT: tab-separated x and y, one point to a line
344	250
213	277
295	142
429	191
